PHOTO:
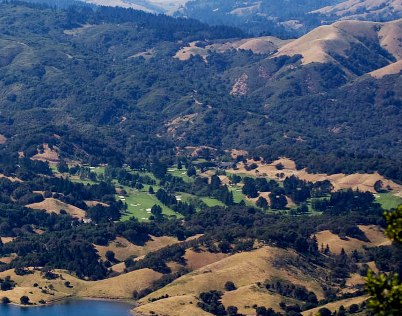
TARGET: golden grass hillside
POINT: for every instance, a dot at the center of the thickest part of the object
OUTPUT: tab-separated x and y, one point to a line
360	181
196	260
184	305
48	154
339	37
245	297
373	233
245	270
124	249
362	9
258	45
51	205
12	179
391	69
335	305
37	288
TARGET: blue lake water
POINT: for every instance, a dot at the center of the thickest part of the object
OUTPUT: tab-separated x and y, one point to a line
70	308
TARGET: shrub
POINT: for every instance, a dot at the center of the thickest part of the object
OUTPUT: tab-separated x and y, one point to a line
24	300
230	286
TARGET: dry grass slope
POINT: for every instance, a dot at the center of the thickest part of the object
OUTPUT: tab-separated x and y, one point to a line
51	205
12	179
338	38
360	181
258	45
245	297
120	287
197	260
3	139
124	249
335	243
244	269
335	305
184	305
392	69
362	9
50	155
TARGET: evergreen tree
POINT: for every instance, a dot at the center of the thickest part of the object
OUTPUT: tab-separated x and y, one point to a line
262	203
191	171
249	189
156	210
278	201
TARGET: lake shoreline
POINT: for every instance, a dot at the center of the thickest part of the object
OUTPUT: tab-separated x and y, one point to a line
73	306
65	300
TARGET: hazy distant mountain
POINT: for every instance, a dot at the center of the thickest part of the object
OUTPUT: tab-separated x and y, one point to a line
154	6
325	43
277	17
370	10
291	17
283	18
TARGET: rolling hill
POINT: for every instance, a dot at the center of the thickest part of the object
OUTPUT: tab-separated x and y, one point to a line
341	38
368	10
153	6
106	84
256	17
280	18
145	155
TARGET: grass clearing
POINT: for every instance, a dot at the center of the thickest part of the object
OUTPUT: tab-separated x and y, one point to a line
180	173
238	195
83	181
98	170
388	200
211	202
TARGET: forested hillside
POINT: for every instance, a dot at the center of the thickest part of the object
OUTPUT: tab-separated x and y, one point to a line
259	17
104	85
149	158
289	18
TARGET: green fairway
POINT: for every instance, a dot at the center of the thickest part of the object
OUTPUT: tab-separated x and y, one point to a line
54	169
388	200
212	202
139	202
77	179
142	173
179	173
238	195
98	170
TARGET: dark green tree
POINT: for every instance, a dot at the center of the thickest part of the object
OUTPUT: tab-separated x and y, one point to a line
262	203
156	210
385	290
191	171
249	189
230	286
24	300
